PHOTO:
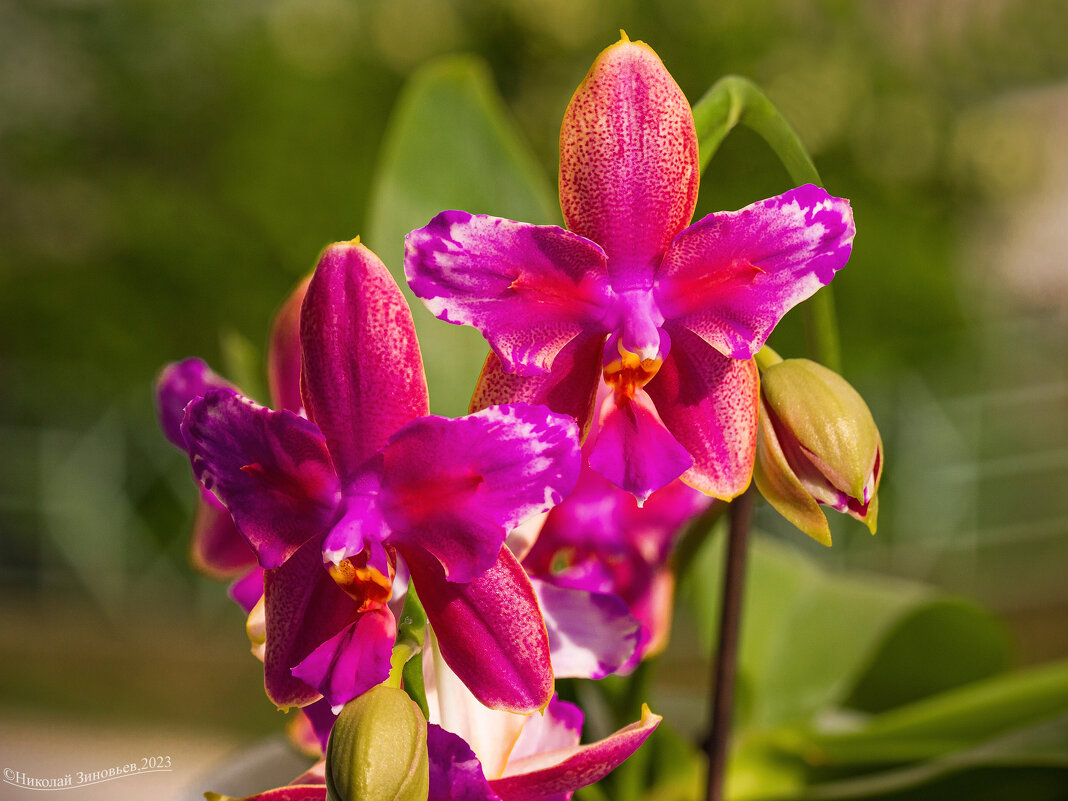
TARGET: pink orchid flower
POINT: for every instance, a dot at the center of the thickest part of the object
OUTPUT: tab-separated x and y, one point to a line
330	503
482	754
217	549
670	313
601	541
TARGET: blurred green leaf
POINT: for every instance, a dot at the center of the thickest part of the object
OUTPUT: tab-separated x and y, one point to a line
243	364
451	145
734	100
812	639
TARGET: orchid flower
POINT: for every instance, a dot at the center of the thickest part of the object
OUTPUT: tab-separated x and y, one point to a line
480	754
670	315
217	549
329	503
601	541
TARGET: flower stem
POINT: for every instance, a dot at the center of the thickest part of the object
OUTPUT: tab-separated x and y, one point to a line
726	659
821	329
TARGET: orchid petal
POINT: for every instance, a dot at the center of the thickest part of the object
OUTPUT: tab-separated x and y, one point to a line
569	389
731	276
455	772
591	634
490	631
352	661
177	385
560	727
552	772
304	608
491	733
216	547
247	590
709	402
317	721
271	469
283	352
362	375
530	289
634	450
456	487
628	161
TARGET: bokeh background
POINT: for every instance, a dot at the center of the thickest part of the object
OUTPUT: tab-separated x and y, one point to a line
169	169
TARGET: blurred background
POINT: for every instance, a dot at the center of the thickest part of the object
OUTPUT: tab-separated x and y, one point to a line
169	169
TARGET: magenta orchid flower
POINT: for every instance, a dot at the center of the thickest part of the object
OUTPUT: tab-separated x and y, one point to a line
217	549
480	754
599	540
670	315
330	503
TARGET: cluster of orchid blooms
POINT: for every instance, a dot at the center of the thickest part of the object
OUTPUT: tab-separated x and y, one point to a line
620	398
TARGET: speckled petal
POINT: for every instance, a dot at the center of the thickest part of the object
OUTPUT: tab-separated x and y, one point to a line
489	630
628	161
283	352
571	387
362	373
634	450
303	608
548	773
352	661
178	384
456	487
271	469
709	402
731	276
530	289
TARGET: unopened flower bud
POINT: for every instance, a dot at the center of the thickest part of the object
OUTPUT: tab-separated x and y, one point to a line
377	750
817	444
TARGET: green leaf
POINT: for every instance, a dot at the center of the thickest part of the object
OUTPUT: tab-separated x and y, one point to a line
734	100
812	639
451	144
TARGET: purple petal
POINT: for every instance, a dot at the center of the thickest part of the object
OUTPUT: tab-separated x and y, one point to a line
709	402
271	469
570	388
628	161
217	548
560	727
320	718
304	608
362	373
731	276
530	289
283	352
590	634
352	661
177	385
247	590
490	631
634	450
456	487
552	772
455	772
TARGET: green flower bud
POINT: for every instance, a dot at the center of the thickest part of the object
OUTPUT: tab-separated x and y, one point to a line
816	444
377	750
